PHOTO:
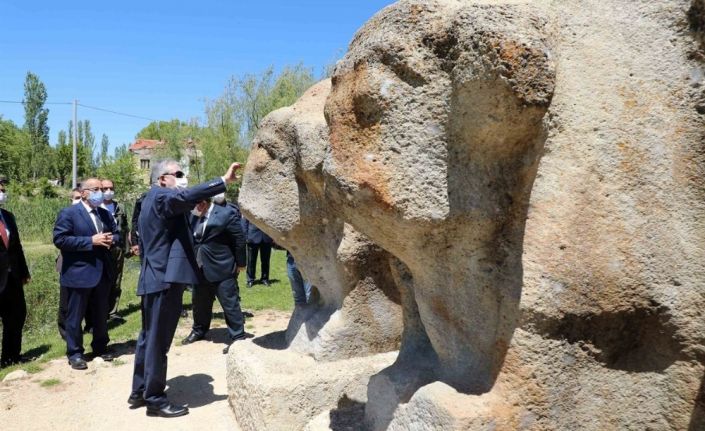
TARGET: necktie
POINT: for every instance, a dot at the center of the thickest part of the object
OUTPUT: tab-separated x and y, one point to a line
98	223
200	227
3	234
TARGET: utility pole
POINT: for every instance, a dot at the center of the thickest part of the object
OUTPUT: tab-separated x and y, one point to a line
75	144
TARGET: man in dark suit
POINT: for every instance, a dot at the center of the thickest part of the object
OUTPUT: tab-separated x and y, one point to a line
257	241
220	254
13	276
63	294
84	233
168	265
118	249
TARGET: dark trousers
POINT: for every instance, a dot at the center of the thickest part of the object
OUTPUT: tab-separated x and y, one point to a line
80	299
266	252
118	255
13	312
228	295
160	316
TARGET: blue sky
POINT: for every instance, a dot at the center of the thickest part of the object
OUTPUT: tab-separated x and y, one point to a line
159	59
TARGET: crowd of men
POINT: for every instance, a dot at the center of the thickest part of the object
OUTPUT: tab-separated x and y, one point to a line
184	237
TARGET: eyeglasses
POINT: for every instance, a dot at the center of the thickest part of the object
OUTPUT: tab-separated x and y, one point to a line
177	174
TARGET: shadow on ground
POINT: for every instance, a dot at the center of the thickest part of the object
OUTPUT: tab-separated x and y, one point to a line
195	390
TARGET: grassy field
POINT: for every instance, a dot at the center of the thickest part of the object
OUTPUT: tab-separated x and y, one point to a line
41	337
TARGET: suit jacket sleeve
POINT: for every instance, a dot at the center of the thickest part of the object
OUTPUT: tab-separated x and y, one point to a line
18	251
64	238
134	233
245	224
237	240
114	229
171	204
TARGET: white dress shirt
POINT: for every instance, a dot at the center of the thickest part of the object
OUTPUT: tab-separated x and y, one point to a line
93	216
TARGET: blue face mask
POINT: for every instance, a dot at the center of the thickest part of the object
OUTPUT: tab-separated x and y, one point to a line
95	198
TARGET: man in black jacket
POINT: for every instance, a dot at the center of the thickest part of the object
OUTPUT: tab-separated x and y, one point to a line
117	250
257	242
13	276
220	254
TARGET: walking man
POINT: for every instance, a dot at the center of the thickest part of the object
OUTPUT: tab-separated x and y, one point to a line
168	265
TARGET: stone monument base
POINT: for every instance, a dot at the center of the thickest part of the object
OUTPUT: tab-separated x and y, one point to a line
272	388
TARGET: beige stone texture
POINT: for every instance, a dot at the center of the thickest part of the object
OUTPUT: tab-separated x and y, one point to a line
533	173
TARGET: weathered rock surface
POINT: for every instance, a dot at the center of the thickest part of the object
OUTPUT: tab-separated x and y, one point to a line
535	172
436	120
359	312
272	389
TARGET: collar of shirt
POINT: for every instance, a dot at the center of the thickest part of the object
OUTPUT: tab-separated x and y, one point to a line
92	215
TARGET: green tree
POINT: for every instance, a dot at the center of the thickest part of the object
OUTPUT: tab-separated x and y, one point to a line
122	171
15	151
35	96
255	96
64	158
104	145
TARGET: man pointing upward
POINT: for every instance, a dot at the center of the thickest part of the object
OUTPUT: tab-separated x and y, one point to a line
168	265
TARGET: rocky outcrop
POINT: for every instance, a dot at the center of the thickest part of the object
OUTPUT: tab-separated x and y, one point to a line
358	313
535	173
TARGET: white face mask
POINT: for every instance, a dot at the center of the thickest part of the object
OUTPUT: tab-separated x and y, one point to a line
181	183
76	201
108	195
196	212
219	198
3	198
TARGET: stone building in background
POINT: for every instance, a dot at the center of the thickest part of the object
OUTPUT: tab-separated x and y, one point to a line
145	152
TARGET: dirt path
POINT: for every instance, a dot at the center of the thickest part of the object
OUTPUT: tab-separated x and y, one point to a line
96	399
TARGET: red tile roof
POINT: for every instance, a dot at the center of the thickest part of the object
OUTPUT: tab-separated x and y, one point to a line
141	144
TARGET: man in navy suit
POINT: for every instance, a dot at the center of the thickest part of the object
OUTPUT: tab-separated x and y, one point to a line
220	255
13	276
257	241
84	233
168	265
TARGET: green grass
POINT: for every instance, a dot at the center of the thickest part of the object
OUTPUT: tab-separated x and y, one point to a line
41	339
49	383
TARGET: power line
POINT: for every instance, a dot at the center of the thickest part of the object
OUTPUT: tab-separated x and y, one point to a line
116	113
89	107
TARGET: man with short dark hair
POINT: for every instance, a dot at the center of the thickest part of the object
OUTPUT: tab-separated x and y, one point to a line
14	274
84	233
117	250
220	255
168	265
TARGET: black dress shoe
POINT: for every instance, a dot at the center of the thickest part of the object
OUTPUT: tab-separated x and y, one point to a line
116	318
107	356
266	283
184	313
167	411
136	400
78	364
192	338
249	284
243	336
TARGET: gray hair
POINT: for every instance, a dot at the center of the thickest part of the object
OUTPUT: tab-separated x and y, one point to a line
160	168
